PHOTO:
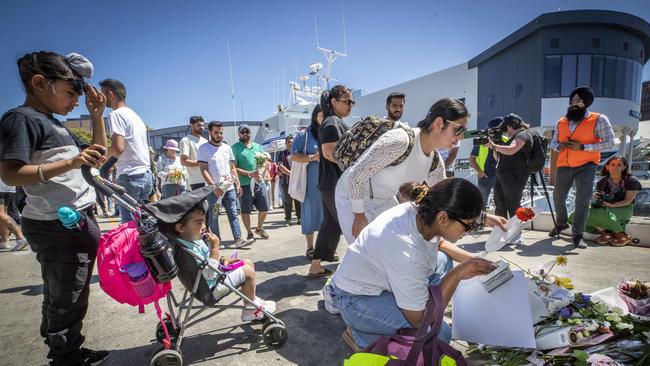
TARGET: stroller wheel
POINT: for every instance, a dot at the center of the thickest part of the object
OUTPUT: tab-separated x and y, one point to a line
274	334
167	357
160	332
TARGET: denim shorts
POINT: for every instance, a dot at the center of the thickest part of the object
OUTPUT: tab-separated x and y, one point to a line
248	199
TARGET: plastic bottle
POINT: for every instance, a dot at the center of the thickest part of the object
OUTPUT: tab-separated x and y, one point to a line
71	218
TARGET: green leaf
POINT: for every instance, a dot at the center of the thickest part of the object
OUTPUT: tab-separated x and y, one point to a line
580	355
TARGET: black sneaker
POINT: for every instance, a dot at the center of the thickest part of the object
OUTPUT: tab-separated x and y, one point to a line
250	236
558	229
287	223
93	358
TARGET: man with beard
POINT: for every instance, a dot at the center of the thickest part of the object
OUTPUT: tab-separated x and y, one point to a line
189	146
395	106
579	137
245	151
217	164
129	145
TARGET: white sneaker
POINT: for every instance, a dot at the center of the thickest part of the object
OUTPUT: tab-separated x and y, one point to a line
249	314
328	296
20	245
5	245
590	236
239	243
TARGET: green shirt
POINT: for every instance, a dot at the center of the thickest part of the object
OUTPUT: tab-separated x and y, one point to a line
245	159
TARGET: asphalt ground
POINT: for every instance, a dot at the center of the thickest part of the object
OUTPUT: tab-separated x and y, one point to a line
222	339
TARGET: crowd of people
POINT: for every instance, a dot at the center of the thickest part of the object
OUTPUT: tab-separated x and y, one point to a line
397	205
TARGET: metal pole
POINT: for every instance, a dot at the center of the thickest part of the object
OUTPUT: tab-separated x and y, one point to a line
232	92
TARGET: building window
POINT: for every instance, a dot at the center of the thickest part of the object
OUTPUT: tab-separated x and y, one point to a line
609	77
626	46
597	68
595	43
552	76
569	71
584	70
516	91
555	43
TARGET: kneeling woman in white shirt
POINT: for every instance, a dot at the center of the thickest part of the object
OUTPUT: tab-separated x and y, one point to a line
382	283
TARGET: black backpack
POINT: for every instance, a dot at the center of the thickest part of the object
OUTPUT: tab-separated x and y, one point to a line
537	157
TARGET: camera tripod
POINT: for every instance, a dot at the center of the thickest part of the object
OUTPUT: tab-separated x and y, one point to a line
533	182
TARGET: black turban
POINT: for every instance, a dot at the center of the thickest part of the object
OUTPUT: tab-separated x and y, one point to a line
585	93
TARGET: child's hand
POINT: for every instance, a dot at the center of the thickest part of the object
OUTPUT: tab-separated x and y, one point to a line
229	261
212	239
95	101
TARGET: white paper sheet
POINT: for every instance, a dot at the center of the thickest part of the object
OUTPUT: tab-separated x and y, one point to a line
499	318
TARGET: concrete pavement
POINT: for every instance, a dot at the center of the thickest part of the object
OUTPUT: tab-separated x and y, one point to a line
221	339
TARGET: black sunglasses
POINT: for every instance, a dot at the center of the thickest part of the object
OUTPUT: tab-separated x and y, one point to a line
474	227
349	102
458	131
78	85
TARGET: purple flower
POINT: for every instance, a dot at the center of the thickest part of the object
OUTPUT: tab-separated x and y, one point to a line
585	298
566	312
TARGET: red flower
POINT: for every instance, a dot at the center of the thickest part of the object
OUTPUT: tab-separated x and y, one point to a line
524	213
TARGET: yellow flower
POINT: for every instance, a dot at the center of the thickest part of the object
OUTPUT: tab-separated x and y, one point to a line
564	282
561	260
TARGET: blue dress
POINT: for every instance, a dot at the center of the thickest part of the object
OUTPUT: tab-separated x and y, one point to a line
312	208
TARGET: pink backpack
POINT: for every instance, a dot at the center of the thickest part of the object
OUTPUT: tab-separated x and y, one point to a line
421	347
123	274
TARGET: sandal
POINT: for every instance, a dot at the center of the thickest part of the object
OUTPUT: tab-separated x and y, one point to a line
326	273
309	253
349	340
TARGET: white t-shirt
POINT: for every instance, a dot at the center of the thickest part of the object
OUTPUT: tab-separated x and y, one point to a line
135	157
218	159
6	189
391	255
189	147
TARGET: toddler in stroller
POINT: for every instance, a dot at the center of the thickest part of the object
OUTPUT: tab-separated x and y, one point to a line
166	235
189	232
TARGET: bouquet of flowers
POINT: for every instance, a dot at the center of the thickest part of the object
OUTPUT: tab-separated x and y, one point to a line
176	176
637	297
260	162
498	238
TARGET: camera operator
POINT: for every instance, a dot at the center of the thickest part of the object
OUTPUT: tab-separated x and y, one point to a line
483	162
613	204
512	167
578	139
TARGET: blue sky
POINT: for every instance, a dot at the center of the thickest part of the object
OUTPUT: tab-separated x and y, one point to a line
172	55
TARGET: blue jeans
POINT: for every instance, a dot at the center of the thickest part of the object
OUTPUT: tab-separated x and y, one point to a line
138	186
373	316
229	203
584	179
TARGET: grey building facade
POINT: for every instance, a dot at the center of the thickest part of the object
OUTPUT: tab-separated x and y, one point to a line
554	53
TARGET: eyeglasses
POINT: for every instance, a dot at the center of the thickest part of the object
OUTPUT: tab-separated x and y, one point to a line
78	85
460	130
245	132
474	227
349	102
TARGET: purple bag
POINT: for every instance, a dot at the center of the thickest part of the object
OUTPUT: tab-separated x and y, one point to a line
421	347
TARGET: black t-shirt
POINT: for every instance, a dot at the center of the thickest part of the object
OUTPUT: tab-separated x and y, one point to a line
328	173
35	138
618	191
519	161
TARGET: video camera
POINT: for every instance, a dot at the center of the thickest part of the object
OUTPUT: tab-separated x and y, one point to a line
480	137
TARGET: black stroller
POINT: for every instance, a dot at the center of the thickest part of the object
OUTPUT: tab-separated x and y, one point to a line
166	259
